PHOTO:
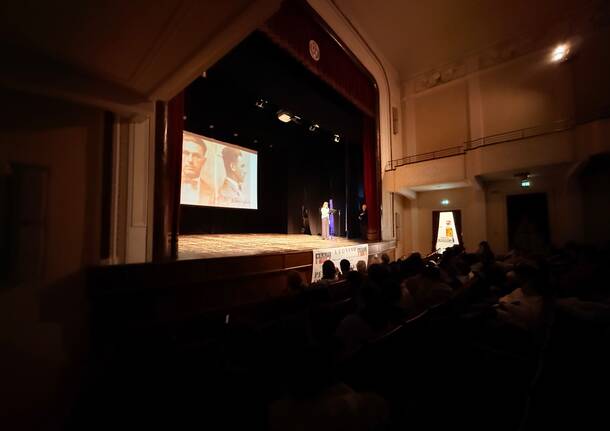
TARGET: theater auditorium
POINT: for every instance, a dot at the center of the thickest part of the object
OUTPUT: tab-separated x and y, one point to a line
304	214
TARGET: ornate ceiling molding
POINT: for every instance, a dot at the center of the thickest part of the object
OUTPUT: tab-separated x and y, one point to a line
589	20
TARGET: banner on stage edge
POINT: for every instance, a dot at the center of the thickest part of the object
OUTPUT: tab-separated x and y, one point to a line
353	253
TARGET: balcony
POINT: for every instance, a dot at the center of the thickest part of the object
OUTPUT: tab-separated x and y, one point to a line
458	166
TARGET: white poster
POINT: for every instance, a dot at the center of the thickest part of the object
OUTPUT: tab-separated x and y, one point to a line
217	174
447	233
353	253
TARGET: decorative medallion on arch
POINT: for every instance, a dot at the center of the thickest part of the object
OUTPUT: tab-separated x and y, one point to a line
314	50
300	31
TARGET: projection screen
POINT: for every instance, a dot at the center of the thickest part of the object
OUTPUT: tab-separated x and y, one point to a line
217	174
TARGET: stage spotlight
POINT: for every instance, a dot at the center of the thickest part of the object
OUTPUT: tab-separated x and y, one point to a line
235	134
261	103
211	126
336	138
445	202
314	127
284	116
560	53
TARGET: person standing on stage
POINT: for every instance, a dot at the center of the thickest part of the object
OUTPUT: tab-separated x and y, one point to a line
363	219
325	213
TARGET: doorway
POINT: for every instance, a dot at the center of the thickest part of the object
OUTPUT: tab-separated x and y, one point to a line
446	230
528	222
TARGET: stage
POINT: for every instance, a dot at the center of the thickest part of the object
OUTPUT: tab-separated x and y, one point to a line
233	245
211	272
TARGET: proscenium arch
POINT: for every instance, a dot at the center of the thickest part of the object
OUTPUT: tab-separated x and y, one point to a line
251	19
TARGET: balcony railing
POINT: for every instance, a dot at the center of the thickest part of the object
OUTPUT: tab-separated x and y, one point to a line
453	151
529	132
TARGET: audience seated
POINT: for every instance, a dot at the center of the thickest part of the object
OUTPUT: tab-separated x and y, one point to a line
295	284
406	303
514	295
316	401
371	320
411	266
498	304
361	267
346	267
523	307
427	288
329	275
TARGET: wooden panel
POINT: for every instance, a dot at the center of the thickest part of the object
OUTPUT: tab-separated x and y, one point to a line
165	291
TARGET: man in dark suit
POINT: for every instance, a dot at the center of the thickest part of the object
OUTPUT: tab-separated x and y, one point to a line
363	219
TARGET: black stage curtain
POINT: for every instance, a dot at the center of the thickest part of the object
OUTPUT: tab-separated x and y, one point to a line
292	28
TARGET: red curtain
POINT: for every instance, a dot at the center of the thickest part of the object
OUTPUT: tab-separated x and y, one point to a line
371	183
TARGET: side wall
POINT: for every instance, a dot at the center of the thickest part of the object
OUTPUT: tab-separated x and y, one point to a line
516	93
42	335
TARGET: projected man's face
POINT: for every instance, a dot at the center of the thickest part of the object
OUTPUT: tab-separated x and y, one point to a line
239	169
193	159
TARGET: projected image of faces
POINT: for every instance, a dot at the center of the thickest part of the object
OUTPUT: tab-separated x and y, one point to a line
216	173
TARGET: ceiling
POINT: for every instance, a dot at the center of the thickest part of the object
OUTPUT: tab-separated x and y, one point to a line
136	47
132	47
417	35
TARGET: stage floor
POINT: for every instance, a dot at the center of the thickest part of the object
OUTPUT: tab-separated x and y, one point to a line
224	245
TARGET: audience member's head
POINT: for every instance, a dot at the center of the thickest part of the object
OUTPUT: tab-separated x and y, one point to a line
532	277
329	271
412	265
294	281
390	292
385	259
361	267
345	266
485	254
432	272
378	273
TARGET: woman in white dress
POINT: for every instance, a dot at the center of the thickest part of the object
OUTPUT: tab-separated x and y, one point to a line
325	213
